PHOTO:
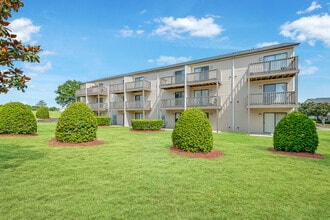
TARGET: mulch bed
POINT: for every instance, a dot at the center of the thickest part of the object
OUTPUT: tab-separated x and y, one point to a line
211	155
53	142
297	154
146	131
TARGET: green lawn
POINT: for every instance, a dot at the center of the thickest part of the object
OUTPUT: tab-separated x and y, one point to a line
134	176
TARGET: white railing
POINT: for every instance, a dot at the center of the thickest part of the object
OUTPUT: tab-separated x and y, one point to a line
138	85
281	65
273	98
138	105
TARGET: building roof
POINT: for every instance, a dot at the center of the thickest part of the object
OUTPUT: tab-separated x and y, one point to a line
318	100
224	56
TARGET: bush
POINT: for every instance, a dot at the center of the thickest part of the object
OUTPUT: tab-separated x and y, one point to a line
42	112
76	124
17	118
297	133
193	131
103	120
143	124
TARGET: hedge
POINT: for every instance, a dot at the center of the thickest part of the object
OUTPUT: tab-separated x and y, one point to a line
103	120
143	124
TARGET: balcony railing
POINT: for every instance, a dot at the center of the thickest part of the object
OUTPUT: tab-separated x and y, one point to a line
117	88
274	66
202	102
138	86
117	105
204	77
97	90
98	106
172	103
138	105
200	78
81	92
273	98
172	81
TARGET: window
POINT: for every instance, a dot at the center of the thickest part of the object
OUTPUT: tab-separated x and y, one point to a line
201	97
139	115
101	84
202	73
139	81
271	120
138	98
275	62
179	98
275	93
177	116
101	100
179	76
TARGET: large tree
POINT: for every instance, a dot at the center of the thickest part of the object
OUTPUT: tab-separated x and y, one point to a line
67	92
12	50
319	110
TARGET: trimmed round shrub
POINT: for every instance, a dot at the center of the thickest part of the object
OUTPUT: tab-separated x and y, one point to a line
17	118
296	133
42	112
193	132
76	124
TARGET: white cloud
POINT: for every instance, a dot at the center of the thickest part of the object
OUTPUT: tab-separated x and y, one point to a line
24	29
143	11
39	68
265	44
178	27
169	60
310	29
307	68
46	53
311	8
128	32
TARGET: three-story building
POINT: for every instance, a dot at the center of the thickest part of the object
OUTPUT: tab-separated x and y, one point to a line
246	91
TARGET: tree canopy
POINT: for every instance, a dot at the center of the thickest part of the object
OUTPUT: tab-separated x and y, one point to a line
67	92
13	50
315	109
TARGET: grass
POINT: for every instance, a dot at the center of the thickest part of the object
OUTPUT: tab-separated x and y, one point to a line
134	176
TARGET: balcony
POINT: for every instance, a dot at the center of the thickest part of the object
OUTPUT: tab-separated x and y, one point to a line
171	82
117	105
80	92
138	86
211	77
273	100
138	105
274	69
177	103
97	90
209	102
204	78
117	88
98	106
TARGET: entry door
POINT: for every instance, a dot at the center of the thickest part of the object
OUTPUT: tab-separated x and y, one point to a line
271	120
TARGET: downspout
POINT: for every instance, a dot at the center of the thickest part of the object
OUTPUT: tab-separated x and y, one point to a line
125	100
233	93
185	86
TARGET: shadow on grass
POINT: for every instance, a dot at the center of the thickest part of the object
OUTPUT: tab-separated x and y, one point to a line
13	156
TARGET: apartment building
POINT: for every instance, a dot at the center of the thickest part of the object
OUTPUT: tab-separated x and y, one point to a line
247	91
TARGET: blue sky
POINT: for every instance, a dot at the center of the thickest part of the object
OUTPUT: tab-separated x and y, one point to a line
86	39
